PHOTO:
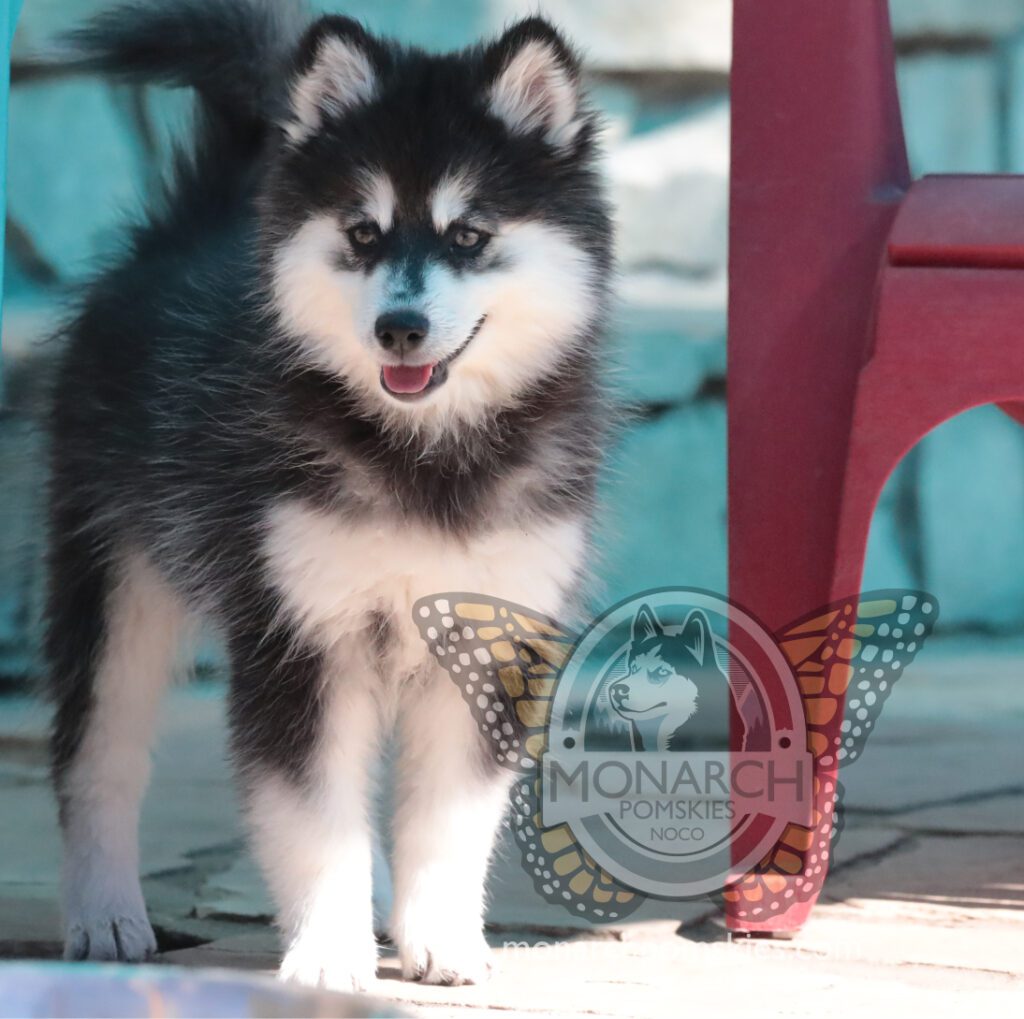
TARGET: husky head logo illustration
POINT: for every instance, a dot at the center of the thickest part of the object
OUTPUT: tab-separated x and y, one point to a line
673	676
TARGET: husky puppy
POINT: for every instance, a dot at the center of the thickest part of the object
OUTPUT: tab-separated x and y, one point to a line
673	676
349	362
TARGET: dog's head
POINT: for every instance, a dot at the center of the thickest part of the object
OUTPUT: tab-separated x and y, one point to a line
434	228
667	667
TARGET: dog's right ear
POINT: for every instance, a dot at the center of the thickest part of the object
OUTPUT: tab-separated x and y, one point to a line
336	69
646	625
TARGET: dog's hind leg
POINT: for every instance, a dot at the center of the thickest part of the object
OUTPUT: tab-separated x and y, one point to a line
113	633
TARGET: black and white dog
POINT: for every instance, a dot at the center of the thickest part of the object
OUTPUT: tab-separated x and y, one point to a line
350	362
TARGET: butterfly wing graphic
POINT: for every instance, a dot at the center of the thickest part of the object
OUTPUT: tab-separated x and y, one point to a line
847	658
506	660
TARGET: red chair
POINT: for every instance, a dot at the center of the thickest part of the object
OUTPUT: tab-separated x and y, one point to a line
864	310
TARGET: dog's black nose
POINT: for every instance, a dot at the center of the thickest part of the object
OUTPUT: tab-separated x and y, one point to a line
402	329
619	691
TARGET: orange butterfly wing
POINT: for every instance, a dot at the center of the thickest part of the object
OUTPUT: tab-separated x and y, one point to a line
847	658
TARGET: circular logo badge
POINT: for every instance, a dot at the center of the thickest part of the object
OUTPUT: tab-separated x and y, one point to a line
676	748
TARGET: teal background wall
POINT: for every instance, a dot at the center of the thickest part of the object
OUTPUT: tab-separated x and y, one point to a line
952	519
9	10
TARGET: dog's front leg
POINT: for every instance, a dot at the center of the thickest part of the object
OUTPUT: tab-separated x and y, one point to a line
306	728
450	800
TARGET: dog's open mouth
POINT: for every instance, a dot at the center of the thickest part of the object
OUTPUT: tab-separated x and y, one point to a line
414	381
407	379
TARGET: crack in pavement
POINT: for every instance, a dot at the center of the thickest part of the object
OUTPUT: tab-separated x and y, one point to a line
952	968
960	833
907	841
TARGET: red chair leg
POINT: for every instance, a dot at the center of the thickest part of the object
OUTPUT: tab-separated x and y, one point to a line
840	538
1015	410
818	170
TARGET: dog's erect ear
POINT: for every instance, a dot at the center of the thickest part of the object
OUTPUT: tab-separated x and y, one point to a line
336	69
646	625
535	82
697	635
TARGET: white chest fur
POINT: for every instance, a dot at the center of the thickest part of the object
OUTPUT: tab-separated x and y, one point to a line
333	574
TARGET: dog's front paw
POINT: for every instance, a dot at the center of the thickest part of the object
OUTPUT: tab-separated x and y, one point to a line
446	958
109	936
326	963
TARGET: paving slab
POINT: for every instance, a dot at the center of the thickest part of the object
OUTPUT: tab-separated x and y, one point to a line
862	841
950	731
252	950
515	905
987	815
28	924
945	881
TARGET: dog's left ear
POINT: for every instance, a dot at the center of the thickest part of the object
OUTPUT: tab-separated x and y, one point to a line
535	82
697	635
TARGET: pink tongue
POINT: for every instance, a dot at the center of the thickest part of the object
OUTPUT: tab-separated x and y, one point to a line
407	378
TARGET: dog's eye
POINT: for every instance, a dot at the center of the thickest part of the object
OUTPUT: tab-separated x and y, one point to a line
663	673
364	236
467	241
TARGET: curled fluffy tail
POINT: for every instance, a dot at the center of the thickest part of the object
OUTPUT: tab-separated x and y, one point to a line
234	53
